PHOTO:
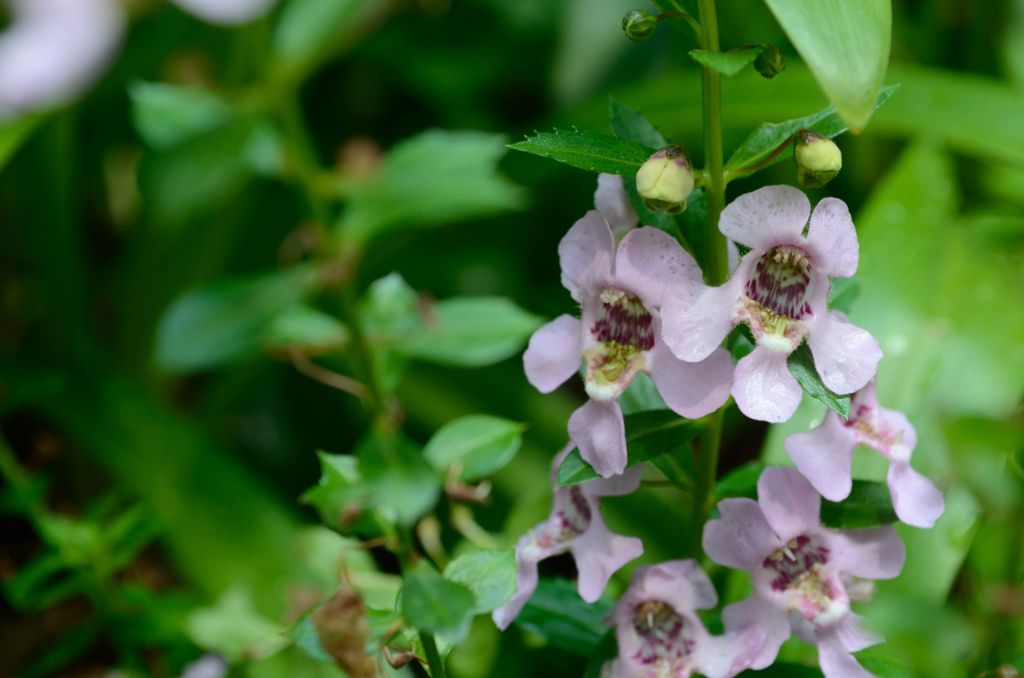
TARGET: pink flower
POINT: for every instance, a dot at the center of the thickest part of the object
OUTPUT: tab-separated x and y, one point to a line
611	201
53	50
798	568
575	525
660	635
226	11
620	290
780	289
824	456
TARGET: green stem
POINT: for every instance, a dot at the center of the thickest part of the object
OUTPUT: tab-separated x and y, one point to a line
433	656
716	266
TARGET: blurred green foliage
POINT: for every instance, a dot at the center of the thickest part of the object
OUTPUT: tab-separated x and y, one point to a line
179	287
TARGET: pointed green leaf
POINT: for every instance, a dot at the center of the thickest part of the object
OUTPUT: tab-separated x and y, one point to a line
398	480
726	63
587	150
558	614
648	435
769	136
165	115
846	46
801	366
470	332
479	443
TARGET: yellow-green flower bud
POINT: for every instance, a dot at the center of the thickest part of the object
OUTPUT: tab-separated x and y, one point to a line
770	62
665	180
639	25
818	159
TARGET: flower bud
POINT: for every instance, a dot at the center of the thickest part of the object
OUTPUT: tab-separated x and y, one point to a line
639	25
818	159
770	62
665	181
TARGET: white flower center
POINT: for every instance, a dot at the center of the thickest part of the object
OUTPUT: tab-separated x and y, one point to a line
797	573
666	638
622	331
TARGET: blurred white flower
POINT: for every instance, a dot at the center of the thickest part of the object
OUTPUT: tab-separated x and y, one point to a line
53	50
226	11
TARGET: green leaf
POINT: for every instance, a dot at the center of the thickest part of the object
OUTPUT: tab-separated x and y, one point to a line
434	604
202	173
558	614
648	435
846	46
233	628
869	505
633	126
727	63
490	575
225	322
339	495
304	634
769	136
471	332
587	150
740	482
397	478
436	177
479	443
165	115
801	366
307	31
13	134
305	328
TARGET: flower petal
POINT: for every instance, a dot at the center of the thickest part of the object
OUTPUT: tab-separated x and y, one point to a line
845	355
836	662
615	486
599	554
789	503
769	216
741	538
649	261
695	318
680	583
727	655
227	12
553	354
599	432
611	201
916	499
586	254
692	390
872	553
526	584
755	612
897	422
833	239
824	455
763	387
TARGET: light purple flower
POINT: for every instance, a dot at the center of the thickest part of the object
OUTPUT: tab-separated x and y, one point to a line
227	12
660	635
824	456
53	50
575	525
620	290
780	289
798	568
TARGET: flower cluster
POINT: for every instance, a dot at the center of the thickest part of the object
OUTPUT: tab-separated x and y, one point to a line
645	307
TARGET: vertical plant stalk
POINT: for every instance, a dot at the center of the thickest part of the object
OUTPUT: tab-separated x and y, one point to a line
716	267
433	656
